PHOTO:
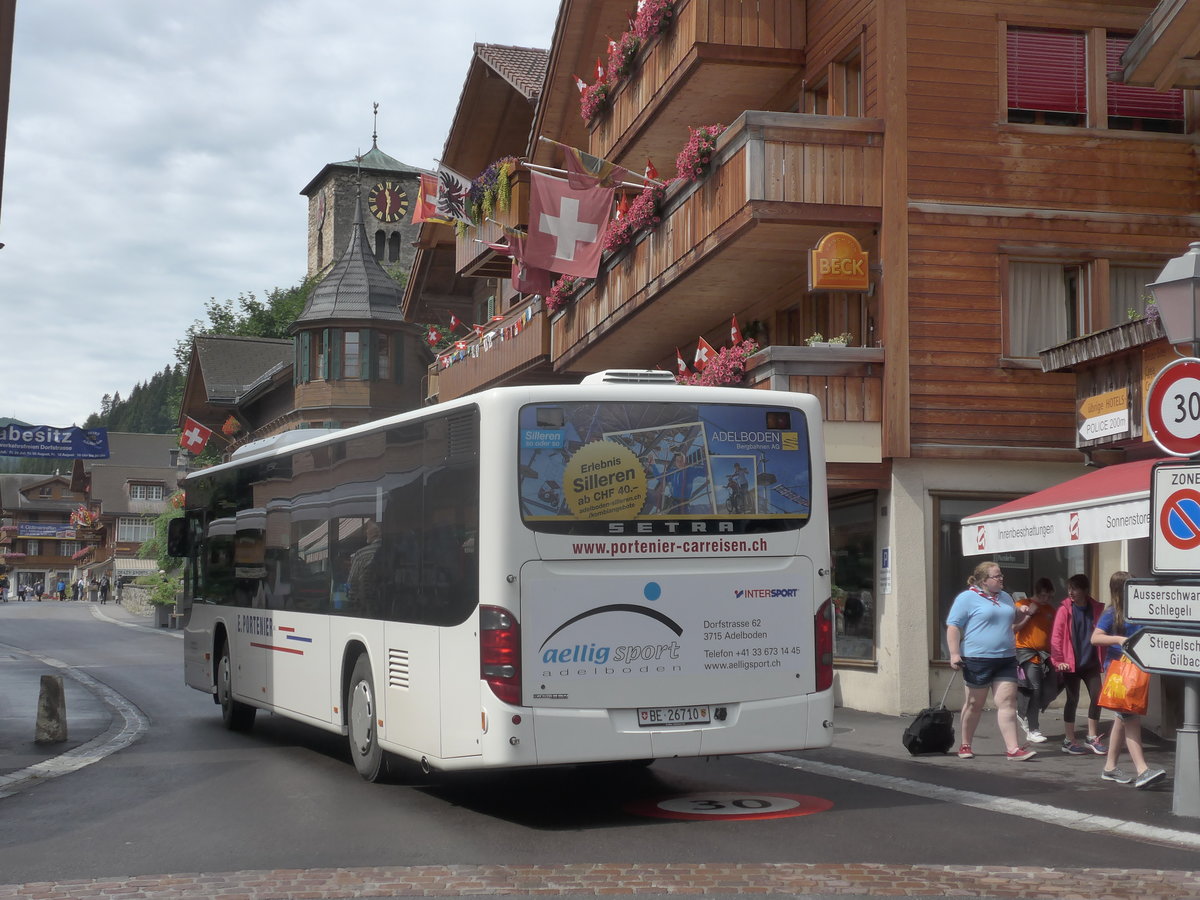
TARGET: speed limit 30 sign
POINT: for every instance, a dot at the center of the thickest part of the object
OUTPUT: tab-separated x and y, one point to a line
1173	408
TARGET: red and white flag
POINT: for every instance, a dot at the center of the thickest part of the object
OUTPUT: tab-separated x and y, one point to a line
566	226
579	83
599	70
735	333
425	209
526	278
622	208
704	354
651	172
681	365
455	321
194	436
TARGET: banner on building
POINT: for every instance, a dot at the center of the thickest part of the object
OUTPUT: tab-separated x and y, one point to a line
60	443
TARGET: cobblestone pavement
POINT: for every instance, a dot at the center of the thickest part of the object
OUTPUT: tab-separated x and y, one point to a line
792	879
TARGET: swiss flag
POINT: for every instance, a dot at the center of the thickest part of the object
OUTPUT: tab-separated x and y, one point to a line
526	278
194	436
680	364
735	333
566	226
651	172
704	353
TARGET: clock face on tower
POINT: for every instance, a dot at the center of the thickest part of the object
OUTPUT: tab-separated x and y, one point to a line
388	202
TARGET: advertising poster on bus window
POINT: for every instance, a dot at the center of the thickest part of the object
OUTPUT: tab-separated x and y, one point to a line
584	465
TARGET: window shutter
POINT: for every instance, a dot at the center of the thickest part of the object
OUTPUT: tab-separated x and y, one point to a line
1138	102
334	343
398	358
305	356
365	363
1047	70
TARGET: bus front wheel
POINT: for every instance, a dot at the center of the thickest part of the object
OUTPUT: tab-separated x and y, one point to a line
363	721
236	716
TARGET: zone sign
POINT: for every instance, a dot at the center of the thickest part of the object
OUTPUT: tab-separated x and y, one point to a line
1175	519
1173	408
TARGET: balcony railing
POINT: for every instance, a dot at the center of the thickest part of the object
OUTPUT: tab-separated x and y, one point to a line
778	182
472	256
518	343
847	381
719	57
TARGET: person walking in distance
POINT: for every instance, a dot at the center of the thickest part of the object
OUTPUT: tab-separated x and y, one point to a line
979	635
1033	656
104	585
1111	633
1073	655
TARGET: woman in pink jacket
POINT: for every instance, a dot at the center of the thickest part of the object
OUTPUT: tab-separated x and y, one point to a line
1072	654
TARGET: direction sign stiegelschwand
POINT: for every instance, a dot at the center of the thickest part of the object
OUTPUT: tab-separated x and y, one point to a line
1165	652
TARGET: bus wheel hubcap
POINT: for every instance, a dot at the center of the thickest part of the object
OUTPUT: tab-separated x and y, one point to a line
360	716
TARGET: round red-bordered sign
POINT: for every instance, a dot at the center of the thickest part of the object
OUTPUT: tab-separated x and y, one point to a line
1179	520
1173	408
729	806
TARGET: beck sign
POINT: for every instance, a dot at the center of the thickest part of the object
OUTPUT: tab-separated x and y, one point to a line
839	263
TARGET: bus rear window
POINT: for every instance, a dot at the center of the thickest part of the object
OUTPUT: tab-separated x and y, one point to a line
584	466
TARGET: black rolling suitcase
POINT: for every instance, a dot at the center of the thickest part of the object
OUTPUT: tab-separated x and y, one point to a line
932	731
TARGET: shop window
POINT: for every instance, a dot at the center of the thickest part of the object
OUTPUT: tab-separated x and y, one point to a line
1022	569
1133	108
1047	76
852	544
1045	307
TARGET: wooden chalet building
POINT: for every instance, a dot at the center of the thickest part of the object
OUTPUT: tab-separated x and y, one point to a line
1013	193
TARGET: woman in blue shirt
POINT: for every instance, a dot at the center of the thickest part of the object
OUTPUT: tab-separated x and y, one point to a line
979	634
1112	631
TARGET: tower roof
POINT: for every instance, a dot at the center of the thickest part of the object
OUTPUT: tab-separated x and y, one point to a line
356	288
374	161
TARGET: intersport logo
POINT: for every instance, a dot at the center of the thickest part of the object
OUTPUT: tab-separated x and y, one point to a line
761	593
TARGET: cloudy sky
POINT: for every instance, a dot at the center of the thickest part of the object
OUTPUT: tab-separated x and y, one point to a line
156	151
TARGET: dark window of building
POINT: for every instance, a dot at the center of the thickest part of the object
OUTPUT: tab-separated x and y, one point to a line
1047	76
1140	108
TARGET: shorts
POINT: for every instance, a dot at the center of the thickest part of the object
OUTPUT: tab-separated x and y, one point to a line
981	671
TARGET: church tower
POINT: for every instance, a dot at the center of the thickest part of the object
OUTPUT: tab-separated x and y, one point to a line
387	190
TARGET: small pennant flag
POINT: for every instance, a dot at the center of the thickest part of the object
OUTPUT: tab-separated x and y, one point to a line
651	172
194	436
622	207
599	69
681	365
455	322
579	83
432	336
735	333
704	353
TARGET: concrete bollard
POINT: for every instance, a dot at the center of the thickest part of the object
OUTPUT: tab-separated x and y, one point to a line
52	712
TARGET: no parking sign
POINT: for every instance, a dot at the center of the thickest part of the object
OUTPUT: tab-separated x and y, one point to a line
1175	523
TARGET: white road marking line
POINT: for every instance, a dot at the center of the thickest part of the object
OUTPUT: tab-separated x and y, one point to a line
1052	815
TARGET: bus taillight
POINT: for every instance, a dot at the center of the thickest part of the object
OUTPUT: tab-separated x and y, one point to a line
823	645
500	653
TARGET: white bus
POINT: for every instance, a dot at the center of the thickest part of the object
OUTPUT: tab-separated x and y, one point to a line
526	576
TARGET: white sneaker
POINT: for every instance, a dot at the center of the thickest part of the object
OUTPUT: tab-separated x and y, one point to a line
1036	736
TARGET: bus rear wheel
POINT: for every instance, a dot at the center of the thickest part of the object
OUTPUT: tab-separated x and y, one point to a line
236	716
362	713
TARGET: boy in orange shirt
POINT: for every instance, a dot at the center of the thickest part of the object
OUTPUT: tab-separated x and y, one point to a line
1033	658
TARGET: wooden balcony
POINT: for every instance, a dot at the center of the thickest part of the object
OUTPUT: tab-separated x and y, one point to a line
778	183
720	57
505	357
472	256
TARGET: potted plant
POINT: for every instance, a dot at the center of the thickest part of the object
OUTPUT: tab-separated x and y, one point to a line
816	339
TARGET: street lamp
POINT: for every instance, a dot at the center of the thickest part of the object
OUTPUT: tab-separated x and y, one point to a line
1177	296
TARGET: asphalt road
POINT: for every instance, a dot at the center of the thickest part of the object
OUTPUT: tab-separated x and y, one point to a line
189	797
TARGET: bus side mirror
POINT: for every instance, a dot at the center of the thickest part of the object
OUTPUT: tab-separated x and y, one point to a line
177	537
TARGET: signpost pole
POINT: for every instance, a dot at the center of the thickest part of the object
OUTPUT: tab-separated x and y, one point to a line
1186	799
